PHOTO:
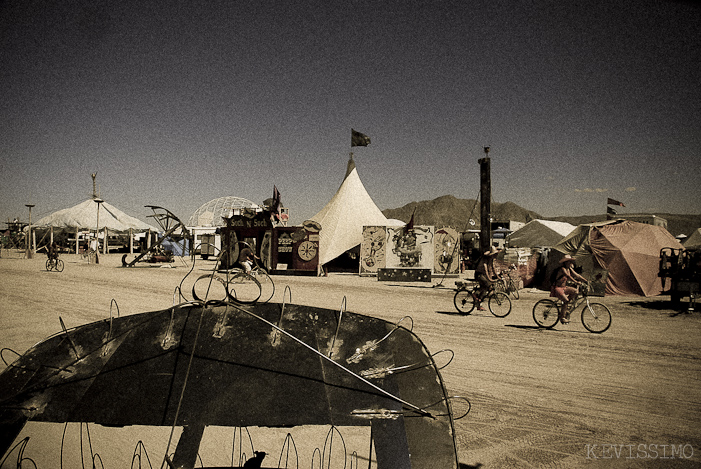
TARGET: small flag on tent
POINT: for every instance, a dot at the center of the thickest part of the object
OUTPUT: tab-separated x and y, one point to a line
358	139
610	210
275	209
614	202
410	226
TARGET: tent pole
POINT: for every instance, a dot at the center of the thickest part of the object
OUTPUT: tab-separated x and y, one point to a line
77	243
131	241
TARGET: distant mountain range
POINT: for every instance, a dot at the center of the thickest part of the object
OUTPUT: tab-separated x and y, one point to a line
448	210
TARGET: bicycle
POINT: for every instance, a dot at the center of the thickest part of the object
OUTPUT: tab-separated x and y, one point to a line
54	263
267	286
506	283
239	287
89	254
466	300
596	317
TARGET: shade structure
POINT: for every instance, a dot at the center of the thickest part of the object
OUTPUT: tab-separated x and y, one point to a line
629	251
343	218
213	212
84	217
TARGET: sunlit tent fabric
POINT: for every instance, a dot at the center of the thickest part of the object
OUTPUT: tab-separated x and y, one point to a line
84	217
629	251
213	212
694	240
540	233
343	218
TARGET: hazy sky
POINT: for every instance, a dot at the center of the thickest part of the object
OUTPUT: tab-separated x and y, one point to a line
175	103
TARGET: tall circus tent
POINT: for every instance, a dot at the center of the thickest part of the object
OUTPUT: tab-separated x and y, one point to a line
343	217
628	250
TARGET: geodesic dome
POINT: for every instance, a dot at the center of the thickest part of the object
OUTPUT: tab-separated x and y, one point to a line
212	213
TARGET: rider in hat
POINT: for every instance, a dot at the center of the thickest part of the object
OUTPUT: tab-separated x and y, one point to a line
485	274
559	288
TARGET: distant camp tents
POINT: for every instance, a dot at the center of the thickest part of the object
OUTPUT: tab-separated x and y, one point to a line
694	240
629	251
540	233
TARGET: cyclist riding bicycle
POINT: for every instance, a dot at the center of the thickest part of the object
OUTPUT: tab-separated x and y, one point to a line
52	251
246	258
559	288
485	274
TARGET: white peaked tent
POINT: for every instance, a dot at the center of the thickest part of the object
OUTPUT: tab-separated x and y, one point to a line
84	216
343	218
540	233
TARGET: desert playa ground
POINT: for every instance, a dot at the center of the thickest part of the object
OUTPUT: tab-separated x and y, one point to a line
630	397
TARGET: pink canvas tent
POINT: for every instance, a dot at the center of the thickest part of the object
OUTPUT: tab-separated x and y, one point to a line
629	251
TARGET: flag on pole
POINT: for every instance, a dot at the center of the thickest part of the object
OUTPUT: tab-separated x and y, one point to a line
275	209
610	210
614	202
358	139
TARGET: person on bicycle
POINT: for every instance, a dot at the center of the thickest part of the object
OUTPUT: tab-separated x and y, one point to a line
246	258
559	288
485	274
52	252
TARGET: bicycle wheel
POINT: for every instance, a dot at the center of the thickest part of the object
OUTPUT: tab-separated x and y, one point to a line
267	287
499	304
209	287
49	265
244	288
59	265
545	313
464	302
596	317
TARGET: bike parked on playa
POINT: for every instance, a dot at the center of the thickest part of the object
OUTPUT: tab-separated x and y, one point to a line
507	284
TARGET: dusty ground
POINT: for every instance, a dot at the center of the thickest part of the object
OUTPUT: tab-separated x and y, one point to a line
540	398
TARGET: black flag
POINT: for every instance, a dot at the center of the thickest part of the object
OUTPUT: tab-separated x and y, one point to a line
610	210
358	139
275	209
614	202
410	226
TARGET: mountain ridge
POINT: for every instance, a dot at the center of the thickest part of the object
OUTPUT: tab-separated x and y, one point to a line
448	210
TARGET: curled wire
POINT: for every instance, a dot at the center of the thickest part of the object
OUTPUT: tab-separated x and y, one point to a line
20	447
338	326
289	443
383	372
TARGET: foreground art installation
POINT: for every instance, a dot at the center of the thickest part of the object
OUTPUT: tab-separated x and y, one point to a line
215	363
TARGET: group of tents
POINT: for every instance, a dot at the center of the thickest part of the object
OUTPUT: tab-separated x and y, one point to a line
628	251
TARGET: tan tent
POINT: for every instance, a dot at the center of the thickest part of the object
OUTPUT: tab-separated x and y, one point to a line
629	251
84	217
343	218
693	241
540	233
